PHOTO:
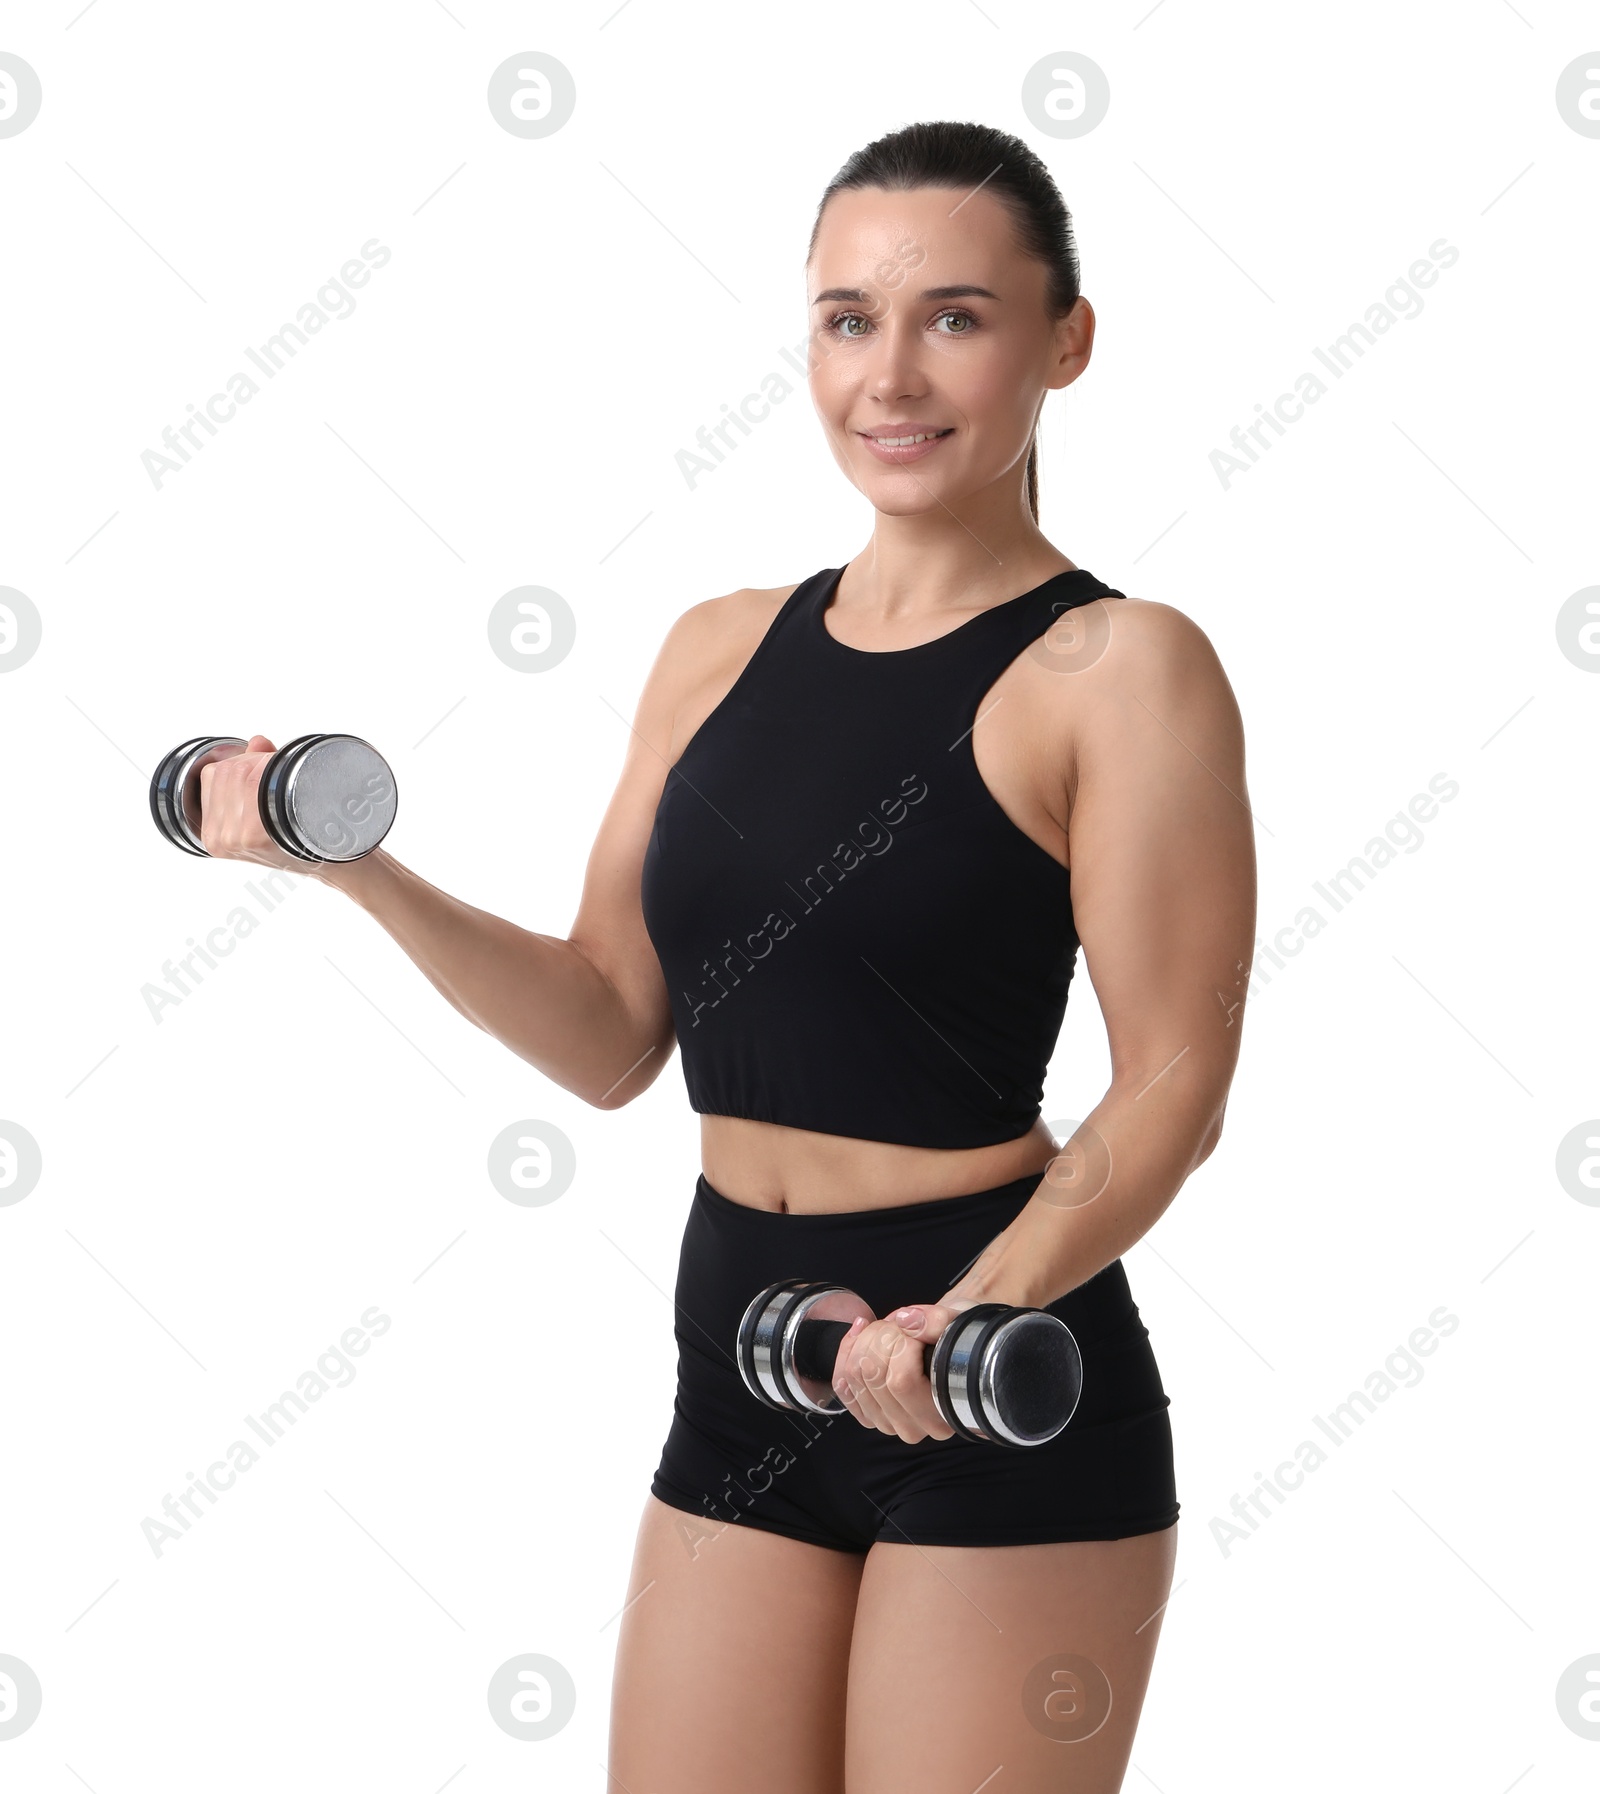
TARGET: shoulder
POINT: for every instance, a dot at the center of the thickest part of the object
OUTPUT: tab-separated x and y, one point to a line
1149	635
707	647
723	630
1158	674
734	613
1157	650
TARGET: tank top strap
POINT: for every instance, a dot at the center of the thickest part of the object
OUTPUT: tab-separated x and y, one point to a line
999	634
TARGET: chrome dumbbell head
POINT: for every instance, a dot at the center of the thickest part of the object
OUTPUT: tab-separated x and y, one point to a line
1006	1376
327	797
769	1336
175	788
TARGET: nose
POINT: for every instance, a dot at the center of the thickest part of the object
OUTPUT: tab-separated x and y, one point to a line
897	369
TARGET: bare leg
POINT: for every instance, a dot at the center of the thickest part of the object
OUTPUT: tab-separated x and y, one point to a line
961	1665
730	1668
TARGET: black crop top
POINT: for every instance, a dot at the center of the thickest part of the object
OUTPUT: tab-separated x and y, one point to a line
856	938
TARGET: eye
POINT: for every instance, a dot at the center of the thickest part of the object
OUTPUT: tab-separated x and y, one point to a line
956	313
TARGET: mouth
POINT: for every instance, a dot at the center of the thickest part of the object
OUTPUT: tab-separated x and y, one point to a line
899	443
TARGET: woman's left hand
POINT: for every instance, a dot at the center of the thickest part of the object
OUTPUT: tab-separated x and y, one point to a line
879	1377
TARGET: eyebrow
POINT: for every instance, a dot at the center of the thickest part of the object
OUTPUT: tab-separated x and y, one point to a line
859	297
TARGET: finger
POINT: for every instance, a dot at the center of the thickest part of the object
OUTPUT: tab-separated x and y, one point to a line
919	1326
842	1385
907	1387
230	824
884	1376
888	1380
863	1396
850	1378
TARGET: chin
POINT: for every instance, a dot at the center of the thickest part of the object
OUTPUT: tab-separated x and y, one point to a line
895	501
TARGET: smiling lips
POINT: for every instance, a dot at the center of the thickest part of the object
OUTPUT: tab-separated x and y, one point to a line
899	443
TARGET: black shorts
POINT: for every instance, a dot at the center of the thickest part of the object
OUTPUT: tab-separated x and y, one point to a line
829	1480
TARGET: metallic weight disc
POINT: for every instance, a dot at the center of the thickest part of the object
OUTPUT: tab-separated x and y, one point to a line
820	1302
1030	1378
339	798
175	788
953	1371
162	793
270	791
766	1342
1010	1376
757	1341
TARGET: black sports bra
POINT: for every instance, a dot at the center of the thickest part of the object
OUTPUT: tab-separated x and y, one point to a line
856	938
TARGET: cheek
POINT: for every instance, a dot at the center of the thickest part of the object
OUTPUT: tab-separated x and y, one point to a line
997	390
830	388
994	379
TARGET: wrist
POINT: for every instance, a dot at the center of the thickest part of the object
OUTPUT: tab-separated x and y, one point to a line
997	1277
356	878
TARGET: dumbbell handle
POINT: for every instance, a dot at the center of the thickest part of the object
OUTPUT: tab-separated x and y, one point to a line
816	1349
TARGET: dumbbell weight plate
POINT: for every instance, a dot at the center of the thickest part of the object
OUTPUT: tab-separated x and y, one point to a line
269	794
175	787
327	797
767	1340
1007	1376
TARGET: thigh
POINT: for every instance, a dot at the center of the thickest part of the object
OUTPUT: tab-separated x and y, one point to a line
731	1661
1031	1659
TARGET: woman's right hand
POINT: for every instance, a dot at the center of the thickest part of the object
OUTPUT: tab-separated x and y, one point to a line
230	821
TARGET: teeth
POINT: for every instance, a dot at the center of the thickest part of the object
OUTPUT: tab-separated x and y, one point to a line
905	441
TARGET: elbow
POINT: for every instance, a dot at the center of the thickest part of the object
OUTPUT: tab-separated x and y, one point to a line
1210	1138
637	1079
619	1094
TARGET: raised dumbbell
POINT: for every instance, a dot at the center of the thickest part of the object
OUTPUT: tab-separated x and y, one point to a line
1000	1375
321	797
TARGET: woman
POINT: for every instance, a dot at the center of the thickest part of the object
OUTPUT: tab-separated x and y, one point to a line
835	871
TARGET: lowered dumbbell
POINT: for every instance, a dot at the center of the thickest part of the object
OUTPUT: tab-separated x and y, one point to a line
321	797
1000	1375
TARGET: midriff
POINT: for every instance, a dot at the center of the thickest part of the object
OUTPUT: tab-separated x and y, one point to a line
793	1171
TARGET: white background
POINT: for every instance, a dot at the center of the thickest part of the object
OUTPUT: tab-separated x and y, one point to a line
305	1134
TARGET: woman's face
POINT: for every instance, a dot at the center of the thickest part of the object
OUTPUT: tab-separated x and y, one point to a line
928	320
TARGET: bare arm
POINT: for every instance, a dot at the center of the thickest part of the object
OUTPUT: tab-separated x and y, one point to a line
589	1011
1163	890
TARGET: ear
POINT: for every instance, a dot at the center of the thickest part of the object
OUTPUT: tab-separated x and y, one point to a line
1073	344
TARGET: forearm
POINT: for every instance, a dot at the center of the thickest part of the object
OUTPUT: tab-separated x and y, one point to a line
1106	1188
538	994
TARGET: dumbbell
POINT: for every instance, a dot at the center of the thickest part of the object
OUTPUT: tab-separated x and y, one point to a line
1000	1375
321	797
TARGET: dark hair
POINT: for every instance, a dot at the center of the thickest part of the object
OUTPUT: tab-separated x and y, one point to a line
946	154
